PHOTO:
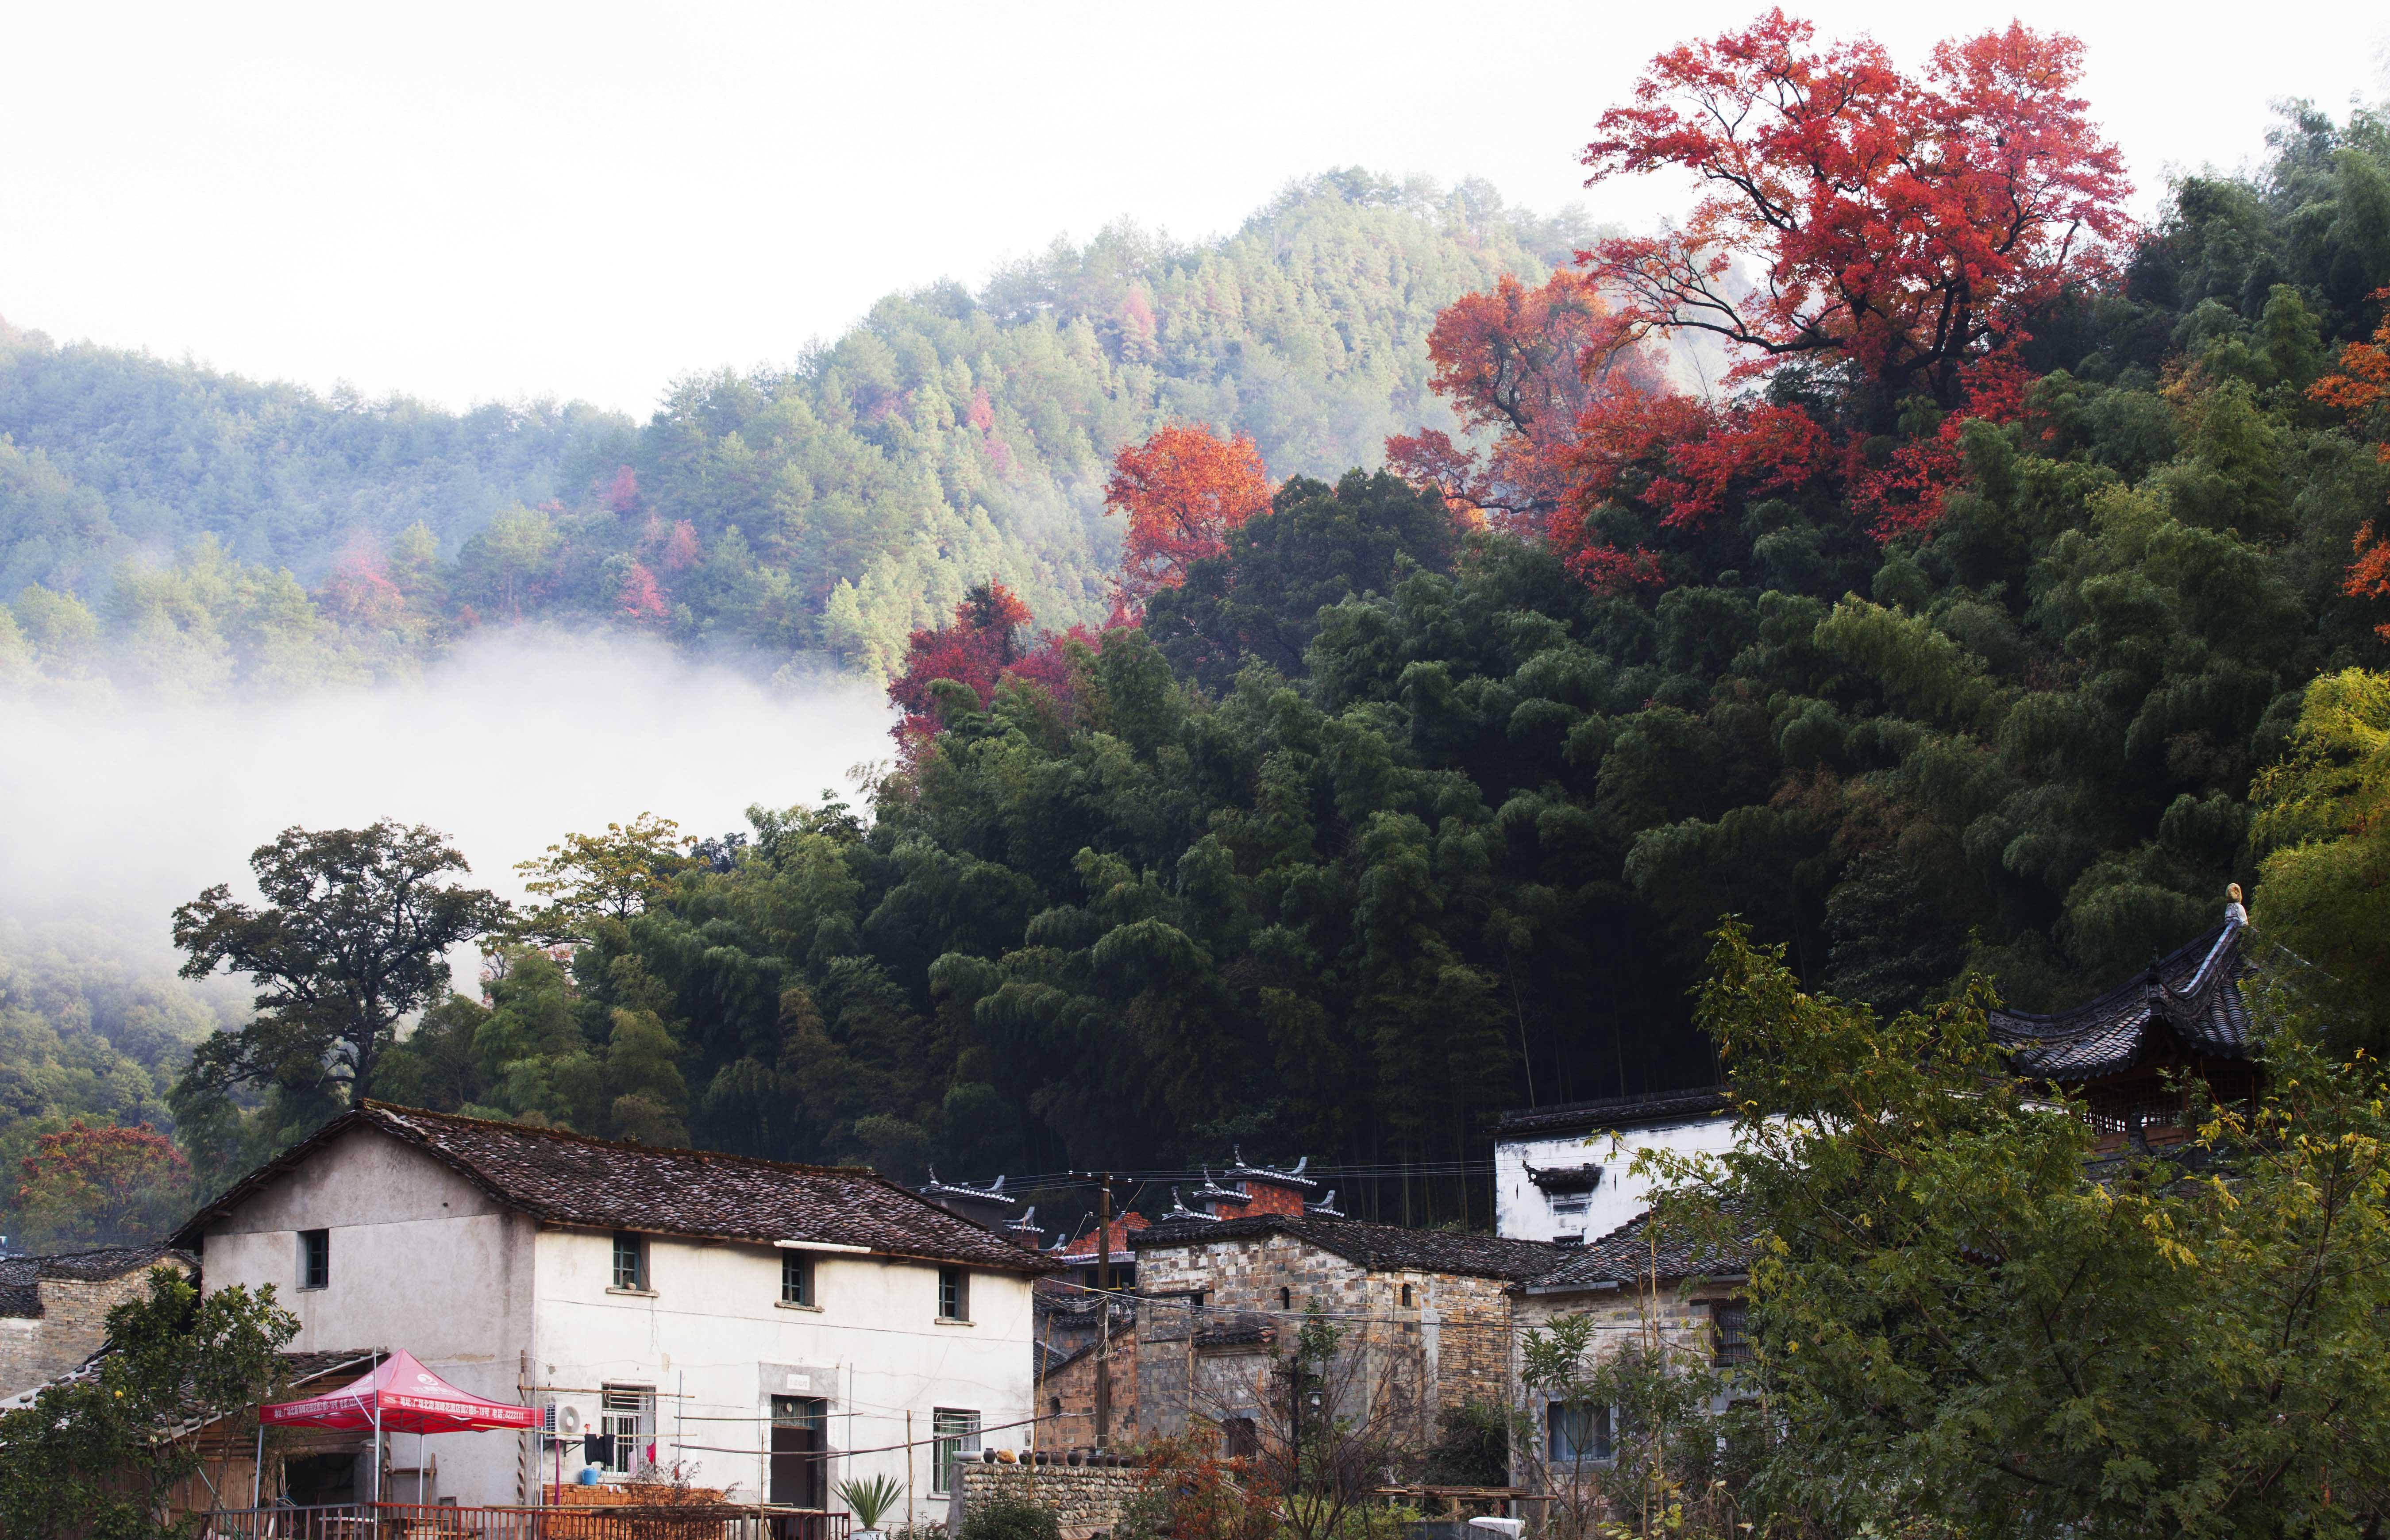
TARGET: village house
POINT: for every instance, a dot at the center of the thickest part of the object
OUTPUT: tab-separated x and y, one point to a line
1428	1315
1664	1295
743	1322
54	1309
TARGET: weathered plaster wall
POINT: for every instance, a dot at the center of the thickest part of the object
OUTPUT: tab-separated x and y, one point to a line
1084	1500
1523	1212
422	1261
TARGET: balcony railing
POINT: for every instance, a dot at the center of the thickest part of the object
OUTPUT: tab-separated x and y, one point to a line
441	1521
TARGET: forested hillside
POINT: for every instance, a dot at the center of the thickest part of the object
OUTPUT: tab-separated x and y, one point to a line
1410	801
181	531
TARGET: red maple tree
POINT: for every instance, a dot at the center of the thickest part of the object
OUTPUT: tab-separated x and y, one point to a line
92	1183
2361	388
1526	363
639	600
1181	491
974	650
1902	224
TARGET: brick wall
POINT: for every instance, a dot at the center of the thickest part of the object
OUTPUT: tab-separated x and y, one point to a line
72	1324
1068	1398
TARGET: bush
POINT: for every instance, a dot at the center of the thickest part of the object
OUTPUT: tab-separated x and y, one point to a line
1472	1446
1009	1516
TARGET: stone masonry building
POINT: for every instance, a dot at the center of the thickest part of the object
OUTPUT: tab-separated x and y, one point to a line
54	1309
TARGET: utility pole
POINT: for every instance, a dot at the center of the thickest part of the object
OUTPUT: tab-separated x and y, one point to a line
1104	1316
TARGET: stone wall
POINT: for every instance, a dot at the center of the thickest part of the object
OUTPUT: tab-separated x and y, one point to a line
72	1324
1086	1500
1429	1339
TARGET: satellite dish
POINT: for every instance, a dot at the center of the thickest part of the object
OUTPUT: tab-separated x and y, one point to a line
568	1421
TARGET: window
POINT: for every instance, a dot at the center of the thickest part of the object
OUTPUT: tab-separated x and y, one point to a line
315	1258
800	1444
1569	1204
625	1440
1729	1342
1240	1439
1579	1432
954	1298
796	1278
1407	1296
630	1260
1053	1405
1286	1299
956	1435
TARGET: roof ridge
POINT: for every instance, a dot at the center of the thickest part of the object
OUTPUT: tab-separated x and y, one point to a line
570	1136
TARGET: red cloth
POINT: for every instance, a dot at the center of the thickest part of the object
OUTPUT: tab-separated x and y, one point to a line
412	1398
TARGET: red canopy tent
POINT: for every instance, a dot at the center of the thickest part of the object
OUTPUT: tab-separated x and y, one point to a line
399	1396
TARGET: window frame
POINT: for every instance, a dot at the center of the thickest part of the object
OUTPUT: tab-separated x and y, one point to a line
954	1293
954	1433
623	1450
315	1258
633	1245
1730	1344
1598	1422
797	1281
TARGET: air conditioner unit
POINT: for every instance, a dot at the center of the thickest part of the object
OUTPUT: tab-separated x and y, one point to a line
560	1419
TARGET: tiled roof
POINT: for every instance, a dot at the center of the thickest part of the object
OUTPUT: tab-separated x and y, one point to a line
573	1179
2192	995
1626	1256
1582	1117
1290	1176
1082	1248
1379	1248
20	1277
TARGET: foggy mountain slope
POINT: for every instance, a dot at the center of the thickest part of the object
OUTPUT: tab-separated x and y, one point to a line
118	811
828	507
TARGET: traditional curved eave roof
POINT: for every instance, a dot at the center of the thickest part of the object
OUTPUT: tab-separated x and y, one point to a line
1583	1117
993	1194
2190	1000
568	1178
1292	1177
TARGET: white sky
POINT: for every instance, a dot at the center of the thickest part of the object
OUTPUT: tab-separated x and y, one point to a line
469	202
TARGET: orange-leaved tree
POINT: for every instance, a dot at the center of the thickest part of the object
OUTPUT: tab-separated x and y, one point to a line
1181	491
2361	388
94	1184
1899	225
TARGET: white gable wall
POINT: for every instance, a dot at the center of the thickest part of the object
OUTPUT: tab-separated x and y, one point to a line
421	1260
1525	1211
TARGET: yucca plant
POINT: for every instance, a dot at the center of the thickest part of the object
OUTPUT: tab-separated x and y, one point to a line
870	1500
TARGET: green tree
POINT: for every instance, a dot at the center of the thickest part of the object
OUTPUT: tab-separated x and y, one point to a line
95	1456
1962	1322
355	936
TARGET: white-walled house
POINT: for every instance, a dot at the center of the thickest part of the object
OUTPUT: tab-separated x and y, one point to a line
746	1321
1562	1173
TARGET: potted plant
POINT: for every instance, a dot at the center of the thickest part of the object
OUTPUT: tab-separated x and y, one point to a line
869	1502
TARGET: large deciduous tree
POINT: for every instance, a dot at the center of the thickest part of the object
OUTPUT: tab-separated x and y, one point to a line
1901	224
1181	491
354	936
89	1184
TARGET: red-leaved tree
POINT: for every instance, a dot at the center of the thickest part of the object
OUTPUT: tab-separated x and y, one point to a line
1901	224
1525	363
2361	388
95	1184
974	649
1181	491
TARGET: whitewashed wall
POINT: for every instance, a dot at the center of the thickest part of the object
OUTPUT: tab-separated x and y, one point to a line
1523	1212
716	1343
